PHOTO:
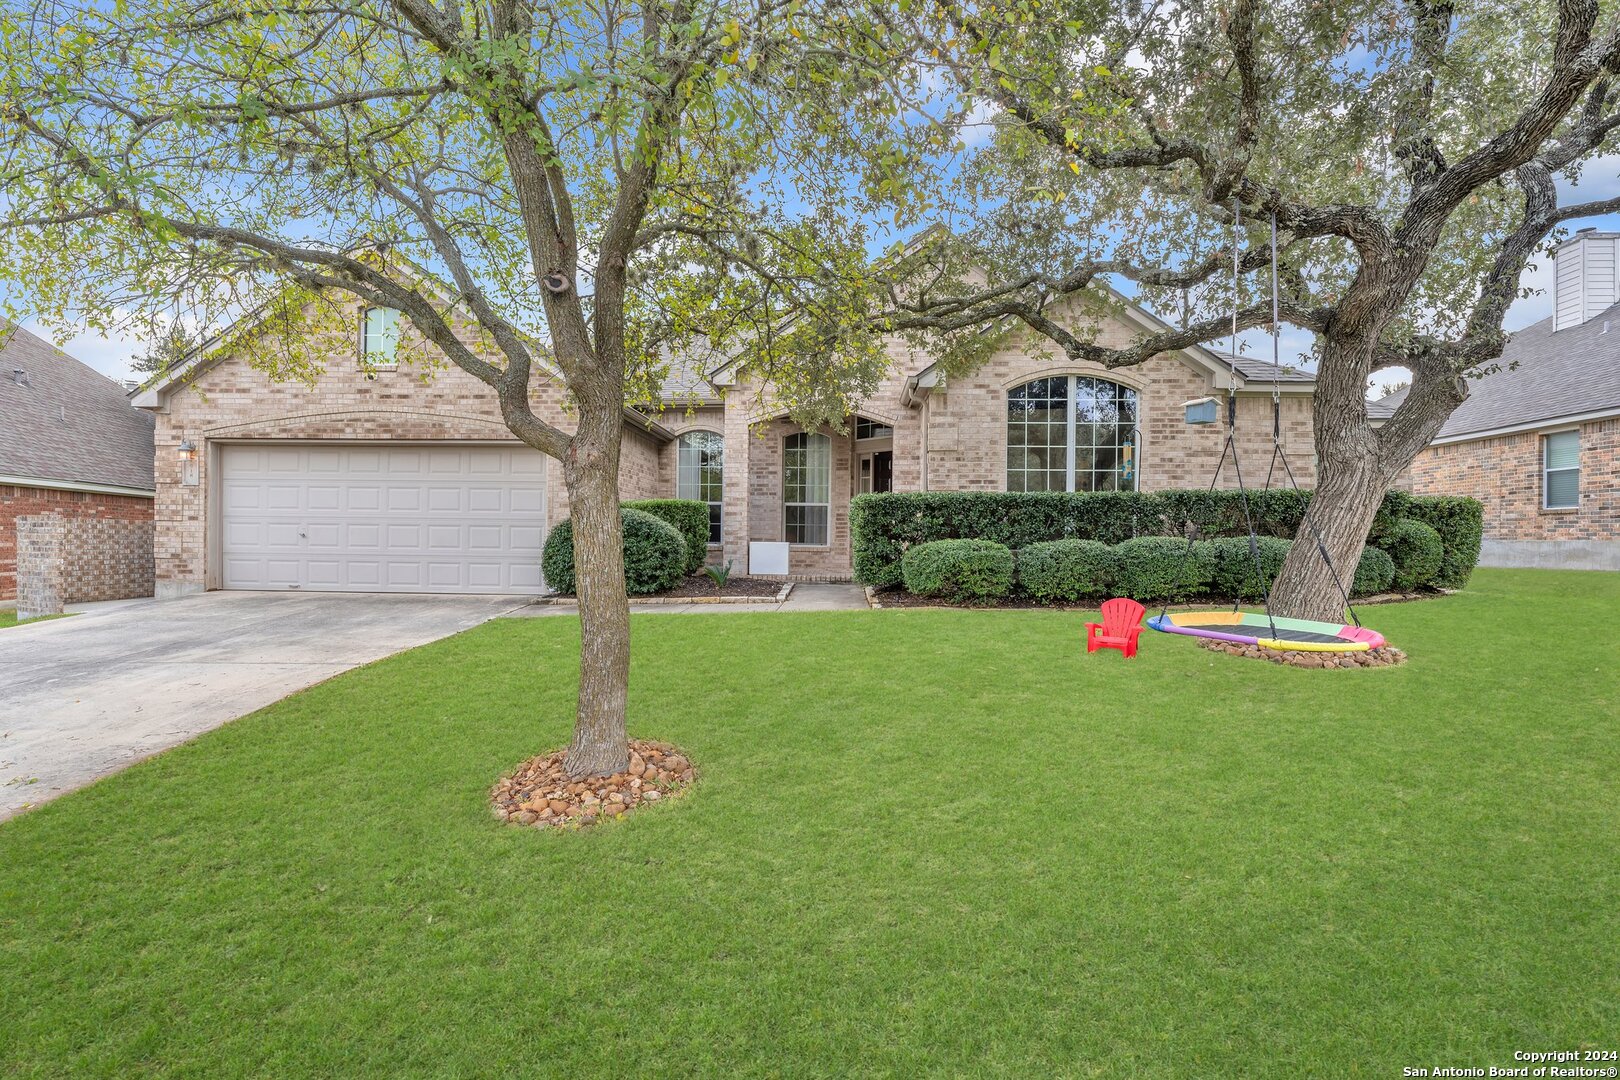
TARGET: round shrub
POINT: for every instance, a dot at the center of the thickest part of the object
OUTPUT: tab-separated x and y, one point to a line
1417	551
690	517
972	570
654	554
1234	575
1374	573
1154	568
1059	571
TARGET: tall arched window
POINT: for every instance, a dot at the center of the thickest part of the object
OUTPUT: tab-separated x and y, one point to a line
806	488
1071	433
700	474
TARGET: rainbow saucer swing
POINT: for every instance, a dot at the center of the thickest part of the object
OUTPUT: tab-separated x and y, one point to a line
1262	628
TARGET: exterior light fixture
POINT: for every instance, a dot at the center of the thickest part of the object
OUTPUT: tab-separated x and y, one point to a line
188	450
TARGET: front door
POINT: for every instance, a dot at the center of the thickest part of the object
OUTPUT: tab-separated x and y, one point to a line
874	472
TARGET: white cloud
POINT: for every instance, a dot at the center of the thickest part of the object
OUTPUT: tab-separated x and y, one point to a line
110	356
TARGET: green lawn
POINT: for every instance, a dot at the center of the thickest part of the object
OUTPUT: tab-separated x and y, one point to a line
923	842
9	618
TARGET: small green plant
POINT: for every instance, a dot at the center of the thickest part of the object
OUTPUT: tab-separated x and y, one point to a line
718	574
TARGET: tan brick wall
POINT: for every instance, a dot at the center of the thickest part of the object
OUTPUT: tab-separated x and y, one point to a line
1504	474
234	401
17	502
967	423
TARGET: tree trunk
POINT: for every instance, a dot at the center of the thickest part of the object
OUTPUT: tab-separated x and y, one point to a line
1342	510
591	471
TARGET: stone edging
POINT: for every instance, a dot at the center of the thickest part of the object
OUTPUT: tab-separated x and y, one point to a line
781	595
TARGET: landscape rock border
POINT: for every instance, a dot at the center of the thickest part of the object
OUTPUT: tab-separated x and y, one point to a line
1384	656
539	794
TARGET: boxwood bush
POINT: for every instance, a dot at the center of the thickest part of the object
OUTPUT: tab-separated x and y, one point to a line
884	526
690	517
1418	553
959	569
1375	573
1460	521
654	554
1064	571
1154	568
1234	575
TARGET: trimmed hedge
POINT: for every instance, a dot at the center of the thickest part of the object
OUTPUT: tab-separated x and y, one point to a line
691	520
654	554
959	569
1460	521
1418	553
1375	573
1067	570
1161	568
1234	576
883	526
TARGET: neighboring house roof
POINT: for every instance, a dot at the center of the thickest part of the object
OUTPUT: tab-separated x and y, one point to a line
1384	408
1572	373
66	424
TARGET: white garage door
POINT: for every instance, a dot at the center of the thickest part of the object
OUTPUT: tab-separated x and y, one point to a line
453	519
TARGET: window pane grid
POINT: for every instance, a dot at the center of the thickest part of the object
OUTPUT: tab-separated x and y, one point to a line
1102	445
700	474
379	335
806	488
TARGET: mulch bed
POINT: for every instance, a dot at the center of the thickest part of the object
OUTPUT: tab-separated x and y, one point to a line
540	794
1387	656
700	585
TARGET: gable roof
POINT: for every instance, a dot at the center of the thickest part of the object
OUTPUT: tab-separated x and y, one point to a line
67	424
1254	369
1574	372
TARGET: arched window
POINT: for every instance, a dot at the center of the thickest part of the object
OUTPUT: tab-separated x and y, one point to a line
806	488
700	474
1071	433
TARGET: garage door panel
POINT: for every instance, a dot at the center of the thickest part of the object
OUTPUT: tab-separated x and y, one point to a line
443	518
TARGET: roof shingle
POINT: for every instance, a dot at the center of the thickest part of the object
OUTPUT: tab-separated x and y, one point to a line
61	420
1569	373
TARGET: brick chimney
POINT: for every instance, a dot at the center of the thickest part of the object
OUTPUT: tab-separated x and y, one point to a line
1586	277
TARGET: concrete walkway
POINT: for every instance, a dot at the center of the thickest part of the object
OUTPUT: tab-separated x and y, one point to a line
806	596
83	697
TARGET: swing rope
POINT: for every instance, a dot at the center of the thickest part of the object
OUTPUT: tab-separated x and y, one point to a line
1277	452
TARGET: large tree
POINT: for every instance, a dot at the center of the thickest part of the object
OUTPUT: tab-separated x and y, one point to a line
1415	156
592	183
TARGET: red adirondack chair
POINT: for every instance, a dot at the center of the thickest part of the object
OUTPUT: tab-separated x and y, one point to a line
1121	625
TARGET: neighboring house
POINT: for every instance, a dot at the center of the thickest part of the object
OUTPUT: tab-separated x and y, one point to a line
1538	441
72	447
375	478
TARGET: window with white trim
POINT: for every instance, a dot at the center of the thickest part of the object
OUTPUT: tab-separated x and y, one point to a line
1071	433
700	474
379	336
806	488
1561	470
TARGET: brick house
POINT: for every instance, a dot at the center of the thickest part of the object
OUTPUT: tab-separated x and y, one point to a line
1538	441
73	450
378	477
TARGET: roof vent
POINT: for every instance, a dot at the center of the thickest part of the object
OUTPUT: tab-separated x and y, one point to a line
1589	228
19	376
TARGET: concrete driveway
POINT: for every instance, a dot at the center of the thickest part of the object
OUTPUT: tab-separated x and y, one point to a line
85	696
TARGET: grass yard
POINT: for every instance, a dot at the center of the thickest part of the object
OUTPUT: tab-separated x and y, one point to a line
8	618
923	842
